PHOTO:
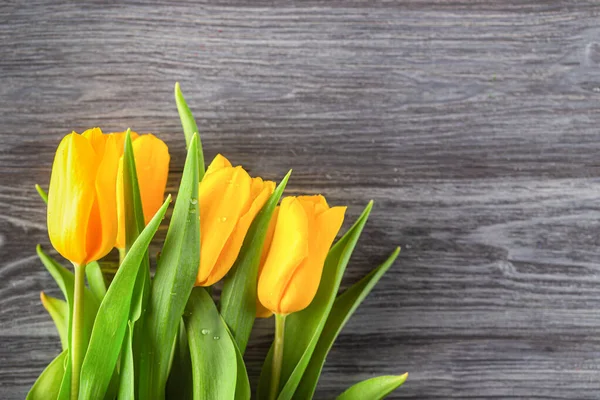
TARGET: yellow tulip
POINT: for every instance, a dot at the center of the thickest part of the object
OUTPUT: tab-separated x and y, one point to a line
82	215
305	228
152	166
229	200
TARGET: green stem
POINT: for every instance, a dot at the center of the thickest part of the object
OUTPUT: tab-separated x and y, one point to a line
277	355
77	350
122	254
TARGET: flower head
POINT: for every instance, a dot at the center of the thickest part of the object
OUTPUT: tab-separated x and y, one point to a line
82	216
229	200
304	229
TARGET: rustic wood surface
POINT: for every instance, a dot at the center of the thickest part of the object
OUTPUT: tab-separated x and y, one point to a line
472	124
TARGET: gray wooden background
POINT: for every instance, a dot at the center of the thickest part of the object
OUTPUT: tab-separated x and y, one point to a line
472	124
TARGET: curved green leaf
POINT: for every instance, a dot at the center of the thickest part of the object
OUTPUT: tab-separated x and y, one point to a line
111	321
66	281
42	193
59	311
242	386
95	280
189	128
134	224
126	377
175	276
374	388
303	329
238	298
65	385
214	362
343	308
47	386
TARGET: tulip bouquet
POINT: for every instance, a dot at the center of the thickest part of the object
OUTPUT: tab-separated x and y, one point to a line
144	337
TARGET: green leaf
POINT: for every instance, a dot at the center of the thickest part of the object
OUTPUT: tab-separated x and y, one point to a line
111	321
238	298
65	385
59	311
242	385
214	362
179	384
42	193
175	276
134	224
47	385
66	281
303	329
189	128
343	308
374	388
95	280
126	377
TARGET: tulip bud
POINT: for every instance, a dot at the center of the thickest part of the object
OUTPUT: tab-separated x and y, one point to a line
229	200
82	215
305	228
152	166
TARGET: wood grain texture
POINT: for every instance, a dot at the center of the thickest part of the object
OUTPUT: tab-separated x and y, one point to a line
473	125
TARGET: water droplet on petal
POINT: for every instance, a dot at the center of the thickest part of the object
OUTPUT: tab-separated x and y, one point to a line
205	331
223	219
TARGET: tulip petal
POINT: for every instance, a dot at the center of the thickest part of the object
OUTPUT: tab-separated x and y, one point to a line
102	228
152	166
224	195
218	163
97	140
71	196
289	249
260	192
93	239
120	242
119	137
323	228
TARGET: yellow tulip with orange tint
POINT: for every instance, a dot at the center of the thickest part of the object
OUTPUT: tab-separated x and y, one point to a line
305	228
152	166
229	200
82	209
